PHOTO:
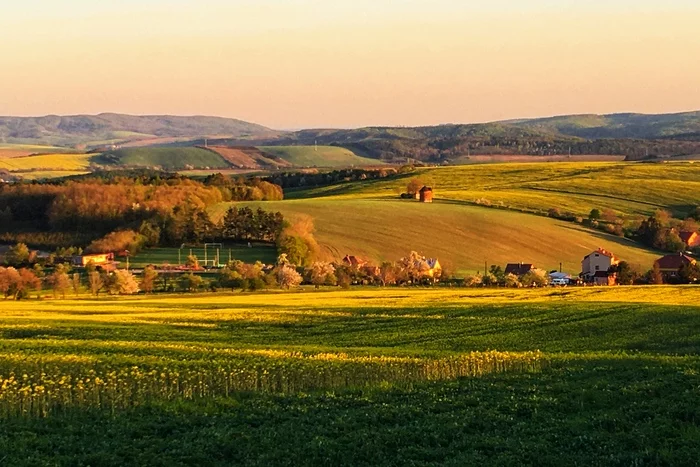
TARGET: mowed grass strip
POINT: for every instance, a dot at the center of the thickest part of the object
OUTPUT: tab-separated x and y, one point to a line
628	188
319	156
461	236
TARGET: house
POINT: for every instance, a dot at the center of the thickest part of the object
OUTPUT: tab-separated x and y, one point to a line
518	269
354	261
434	268
98	259
604	278
426	194
691	239
600	260
670	265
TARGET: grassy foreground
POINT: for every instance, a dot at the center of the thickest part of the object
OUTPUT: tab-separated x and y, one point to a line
361	377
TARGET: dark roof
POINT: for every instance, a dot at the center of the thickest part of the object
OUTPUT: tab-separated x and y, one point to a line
354	260
602	274
674	262
426	188
686	235
519	269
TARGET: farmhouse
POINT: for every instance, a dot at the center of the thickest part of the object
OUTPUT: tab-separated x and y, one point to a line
354	261
670	265
518	269
596	263
434	268
691	239
426	194
96	259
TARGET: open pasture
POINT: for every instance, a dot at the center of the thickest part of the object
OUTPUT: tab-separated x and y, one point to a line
367	376
627	188
171	158
462	236
319	156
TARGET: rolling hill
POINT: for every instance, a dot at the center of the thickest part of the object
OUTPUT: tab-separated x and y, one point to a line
107	128
463	237
318	156
629	189
164	158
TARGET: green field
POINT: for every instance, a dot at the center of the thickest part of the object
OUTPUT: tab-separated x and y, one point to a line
319	156
594	376
462	236
165	158
159	256
628	188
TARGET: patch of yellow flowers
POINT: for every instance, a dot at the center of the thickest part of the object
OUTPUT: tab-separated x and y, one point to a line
39	385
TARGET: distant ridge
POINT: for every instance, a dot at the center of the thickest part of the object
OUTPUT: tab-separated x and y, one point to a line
109	128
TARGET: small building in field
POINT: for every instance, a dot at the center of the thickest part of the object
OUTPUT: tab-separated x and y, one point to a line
354	261
604	278
97	259
426	194
600	260
670	265
435	269
691	239
518	269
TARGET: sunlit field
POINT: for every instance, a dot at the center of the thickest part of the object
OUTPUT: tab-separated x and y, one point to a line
627	188
422	375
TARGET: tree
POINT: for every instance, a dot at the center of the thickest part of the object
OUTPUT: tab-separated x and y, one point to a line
626	273
230	278
594	214
298	243
285	273
59	280
96	282
148	280
387	273
190	282
655	275
9	280
322	273
17	255
690	273
123	282
192	262
75	283
414	186
535	278
28	283
511	280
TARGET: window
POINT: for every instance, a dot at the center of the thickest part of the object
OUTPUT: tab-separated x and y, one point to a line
597	268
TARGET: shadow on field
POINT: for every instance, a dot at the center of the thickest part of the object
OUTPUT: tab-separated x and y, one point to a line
581	412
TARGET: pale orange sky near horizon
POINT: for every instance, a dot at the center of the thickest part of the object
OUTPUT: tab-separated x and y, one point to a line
305	63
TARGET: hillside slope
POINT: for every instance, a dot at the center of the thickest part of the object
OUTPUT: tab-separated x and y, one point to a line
77	129
164	158
462	237
629	189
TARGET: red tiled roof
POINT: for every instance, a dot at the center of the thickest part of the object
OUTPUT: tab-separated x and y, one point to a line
601	251
354	260
674	262
689	237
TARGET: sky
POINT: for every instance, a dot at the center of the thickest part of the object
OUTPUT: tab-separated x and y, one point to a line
292	64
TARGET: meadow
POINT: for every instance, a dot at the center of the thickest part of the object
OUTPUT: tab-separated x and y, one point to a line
319	156
628	189
359	377
175	158
462	236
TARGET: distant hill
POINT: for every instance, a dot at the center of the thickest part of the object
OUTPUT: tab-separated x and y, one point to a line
109	128
635	136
